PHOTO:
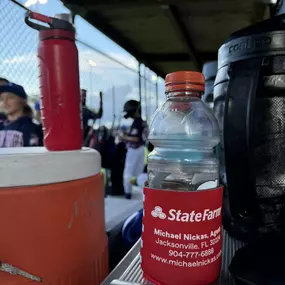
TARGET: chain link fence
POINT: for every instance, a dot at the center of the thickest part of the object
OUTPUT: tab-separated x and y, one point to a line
18	48
117	79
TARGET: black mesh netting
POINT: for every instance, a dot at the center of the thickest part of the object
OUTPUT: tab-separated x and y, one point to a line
269	153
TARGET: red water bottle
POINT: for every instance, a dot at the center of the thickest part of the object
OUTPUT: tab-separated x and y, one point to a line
59	79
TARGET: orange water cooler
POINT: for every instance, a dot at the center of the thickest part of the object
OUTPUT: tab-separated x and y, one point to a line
52	217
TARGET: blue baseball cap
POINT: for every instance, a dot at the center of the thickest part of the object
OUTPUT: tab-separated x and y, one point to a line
15	89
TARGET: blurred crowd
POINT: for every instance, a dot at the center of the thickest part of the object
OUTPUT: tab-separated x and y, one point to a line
122	148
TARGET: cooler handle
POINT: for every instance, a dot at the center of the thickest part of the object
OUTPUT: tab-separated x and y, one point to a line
38	17
245	79
53	23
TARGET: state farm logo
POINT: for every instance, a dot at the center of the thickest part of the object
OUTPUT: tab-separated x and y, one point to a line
157	213
184	217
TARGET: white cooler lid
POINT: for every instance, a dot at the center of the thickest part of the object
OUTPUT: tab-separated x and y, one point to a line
36	166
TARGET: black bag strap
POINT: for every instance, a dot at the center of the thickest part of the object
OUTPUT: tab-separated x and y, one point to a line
245	79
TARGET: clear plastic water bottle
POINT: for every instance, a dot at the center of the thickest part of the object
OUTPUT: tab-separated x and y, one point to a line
184	132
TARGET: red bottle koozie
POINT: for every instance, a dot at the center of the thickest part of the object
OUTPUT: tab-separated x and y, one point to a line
182	236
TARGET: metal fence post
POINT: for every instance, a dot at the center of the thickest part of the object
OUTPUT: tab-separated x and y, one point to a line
113	107
140	82
73	15
145	93
90	79
156	92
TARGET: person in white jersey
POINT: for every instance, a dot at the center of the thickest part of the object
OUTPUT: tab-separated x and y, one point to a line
135	141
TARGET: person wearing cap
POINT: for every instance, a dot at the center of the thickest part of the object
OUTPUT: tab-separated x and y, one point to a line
18	130
135	140
3	117
87	114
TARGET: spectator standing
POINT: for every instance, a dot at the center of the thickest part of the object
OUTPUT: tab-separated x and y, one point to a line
18	130
87	114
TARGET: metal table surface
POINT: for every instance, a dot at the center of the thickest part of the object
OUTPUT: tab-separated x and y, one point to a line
129	272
